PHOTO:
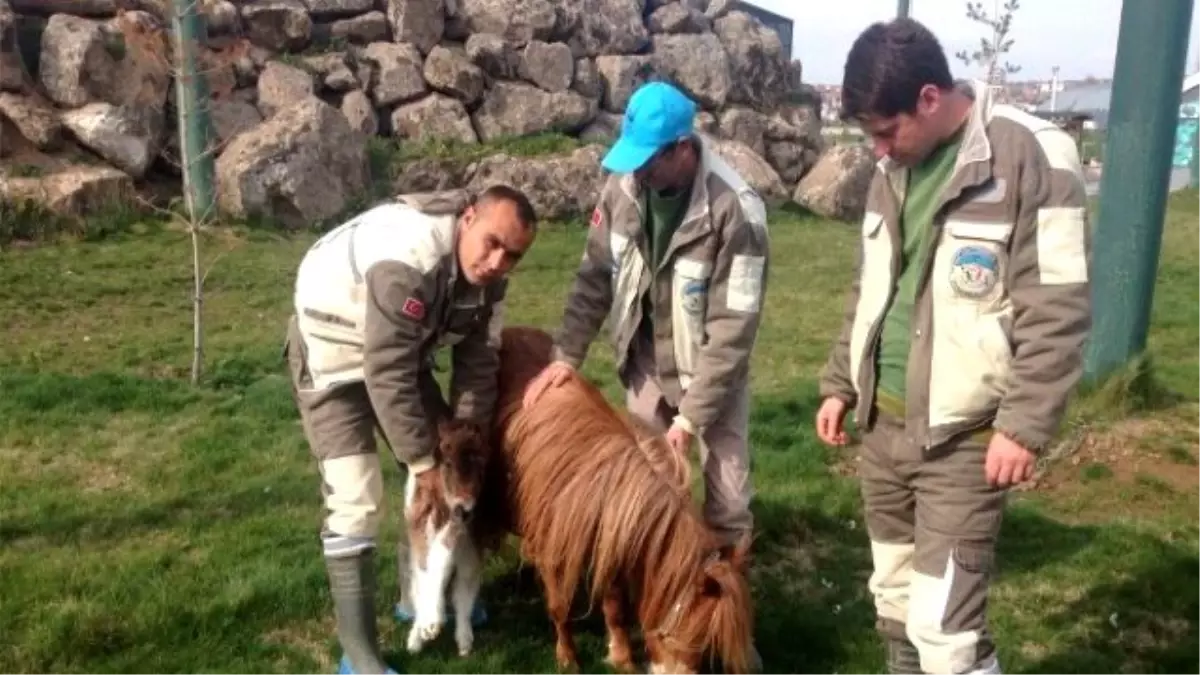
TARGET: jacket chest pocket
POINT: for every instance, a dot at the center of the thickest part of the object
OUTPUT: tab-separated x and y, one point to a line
690	281
460	321
972	262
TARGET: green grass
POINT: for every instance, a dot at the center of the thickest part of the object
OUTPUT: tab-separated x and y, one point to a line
151	526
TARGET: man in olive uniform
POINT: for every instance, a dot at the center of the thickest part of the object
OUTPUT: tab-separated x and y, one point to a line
374	298
963	334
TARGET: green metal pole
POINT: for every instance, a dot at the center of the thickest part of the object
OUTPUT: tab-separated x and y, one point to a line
902	8
191	101
1143	114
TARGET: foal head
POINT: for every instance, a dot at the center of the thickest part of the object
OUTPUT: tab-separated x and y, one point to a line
713	614
462	455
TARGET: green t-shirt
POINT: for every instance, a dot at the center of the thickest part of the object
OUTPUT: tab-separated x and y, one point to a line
925	184
664	213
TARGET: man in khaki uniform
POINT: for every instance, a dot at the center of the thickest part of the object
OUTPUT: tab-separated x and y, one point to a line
676	257
963	334
374	299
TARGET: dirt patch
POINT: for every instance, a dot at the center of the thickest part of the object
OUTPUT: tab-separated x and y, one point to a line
1163	448
1145	468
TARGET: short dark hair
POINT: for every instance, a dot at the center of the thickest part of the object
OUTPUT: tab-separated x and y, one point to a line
888	65
501	192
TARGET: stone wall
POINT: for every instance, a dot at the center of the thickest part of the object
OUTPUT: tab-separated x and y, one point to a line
299	87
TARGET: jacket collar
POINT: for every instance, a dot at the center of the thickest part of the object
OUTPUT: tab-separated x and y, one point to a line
696	222
447	207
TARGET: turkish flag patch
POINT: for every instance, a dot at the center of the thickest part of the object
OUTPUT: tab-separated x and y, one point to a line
413	308
596	218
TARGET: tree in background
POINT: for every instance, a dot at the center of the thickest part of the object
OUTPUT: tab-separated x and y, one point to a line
182	52
992	49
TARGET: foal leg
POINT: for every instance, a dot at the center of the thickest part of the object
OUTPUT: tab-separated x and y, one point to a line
620	653
559	605
430	590
468	576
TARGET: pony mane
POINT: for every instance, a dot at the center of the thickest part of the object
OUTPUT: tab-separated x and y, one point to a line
594	486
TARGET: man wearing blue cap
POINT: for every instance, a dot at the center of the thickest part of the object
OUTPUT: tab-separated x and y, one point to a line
677	257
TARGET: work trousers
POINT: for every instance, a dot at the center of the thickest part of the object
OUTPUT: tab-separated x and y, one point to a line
724	450
933	521
341	425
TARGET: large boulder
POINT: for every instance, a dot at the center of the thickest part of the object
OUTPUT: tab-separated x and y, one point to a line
12	70
620	76
753	169
758	66
745	126
610	27
586	80
451	72
360	30
357	108
435	116
76	63
518	21
518	109
281	85
76	190
559	186
84	60
396	73
418	22
791	160
697	63
677	17
278	25
301	167
549	65
231	117
837	186
128	137
324	10
34	118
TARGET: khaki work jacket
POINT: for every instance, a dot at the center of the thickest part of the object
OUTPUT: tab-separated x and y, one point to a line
707	292
376	297
1003	305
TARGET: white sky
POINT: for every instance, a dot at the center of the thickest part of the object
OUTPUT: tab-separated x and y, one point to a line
1079	36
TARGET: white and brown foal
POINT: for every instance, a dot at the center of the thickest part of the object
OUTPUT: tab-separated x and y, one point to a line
438	511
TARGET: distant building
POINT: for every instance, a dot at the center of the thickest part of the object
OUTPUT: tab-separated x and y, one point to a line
1086	105
1087	100
782	25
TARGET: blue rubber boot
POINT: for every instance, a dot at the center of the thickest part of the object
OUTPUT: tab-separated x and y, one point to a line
479	615
345	669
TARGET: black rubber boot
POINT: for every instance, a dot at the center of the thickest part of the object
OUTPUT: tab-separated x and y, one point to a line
352	584
902	657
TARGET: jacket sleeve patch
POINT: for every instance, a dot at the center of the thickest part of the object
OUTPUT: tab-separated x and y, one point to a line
413	309
1061	245
744	292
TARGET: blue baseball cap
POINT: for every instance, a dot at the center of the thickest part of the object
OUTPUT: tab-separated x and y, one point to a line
658	114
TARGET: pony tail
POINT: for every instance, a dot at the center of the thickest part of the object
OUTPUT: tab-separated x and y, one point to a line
732	633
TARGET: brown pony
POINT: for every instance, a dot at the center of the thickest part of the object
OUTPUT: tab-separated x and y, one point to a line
592	493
